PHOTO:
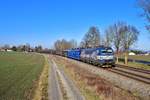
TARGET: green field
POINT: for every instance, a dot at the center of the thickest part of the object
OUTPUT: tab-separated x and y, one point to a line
18	73
138	57
135	64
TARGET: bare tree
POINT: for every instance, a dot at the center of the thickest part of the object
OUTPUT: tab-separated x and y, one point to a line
6	47
64	44
116	32
91	38
73	43
38	48
21	48
103	41
145	6
124	36
130	36
57	45
27	47
82	44
107	41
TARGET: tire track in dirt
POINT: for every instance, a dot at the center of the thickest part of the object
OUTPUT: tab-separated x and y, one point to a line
73	92
54	91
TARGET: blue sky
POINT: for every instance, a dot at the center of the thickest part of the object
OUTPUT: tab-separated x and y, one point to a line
44	21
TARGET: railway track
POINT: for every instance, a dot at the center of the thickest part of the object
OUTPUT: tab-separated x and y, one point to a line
134	69
133	73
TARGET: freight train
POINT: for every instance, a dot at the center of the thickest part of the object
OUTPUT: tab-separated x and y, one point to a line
99	56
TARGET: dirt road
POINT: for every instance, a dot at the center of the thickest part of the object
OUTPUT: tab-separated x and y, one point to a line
55	93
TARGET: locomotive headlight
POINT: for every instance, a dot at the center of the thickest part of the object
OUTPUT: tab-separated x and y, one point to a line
105	57
111	57
99	57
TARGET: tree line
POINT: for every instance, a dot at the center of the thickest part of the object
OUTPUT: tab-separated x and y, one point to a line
63	44
22	48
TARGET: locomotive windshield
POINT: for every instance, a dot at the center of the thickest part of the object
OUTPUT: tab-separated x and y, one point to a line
105	51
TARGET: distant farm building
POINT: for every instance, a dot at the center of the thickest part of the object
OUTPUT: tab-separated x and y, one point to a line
8	50
132	53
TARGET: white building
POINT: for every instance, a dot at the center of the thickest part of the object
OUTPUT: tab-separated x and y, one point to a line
8	50
132	53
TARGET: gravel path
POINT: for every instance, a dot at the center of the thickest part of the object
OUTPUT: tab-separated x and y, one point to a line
72	91
54	89
136	87
54	92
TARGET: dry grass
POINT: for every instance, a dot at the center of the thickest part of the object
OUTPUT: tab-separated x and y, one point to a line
41	87
89	95
137	57
63	91
136	64
95	87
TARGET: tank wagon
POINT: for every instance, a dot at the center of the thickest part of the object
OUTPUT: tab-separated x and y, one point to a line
100	56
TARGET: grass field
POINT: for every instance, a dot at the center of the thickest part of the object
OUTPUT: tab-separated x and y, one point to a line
135	64
138	57
18	73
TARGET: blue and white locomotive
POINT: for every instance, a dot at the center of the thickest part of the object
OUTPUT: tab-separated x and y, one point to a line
100	56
